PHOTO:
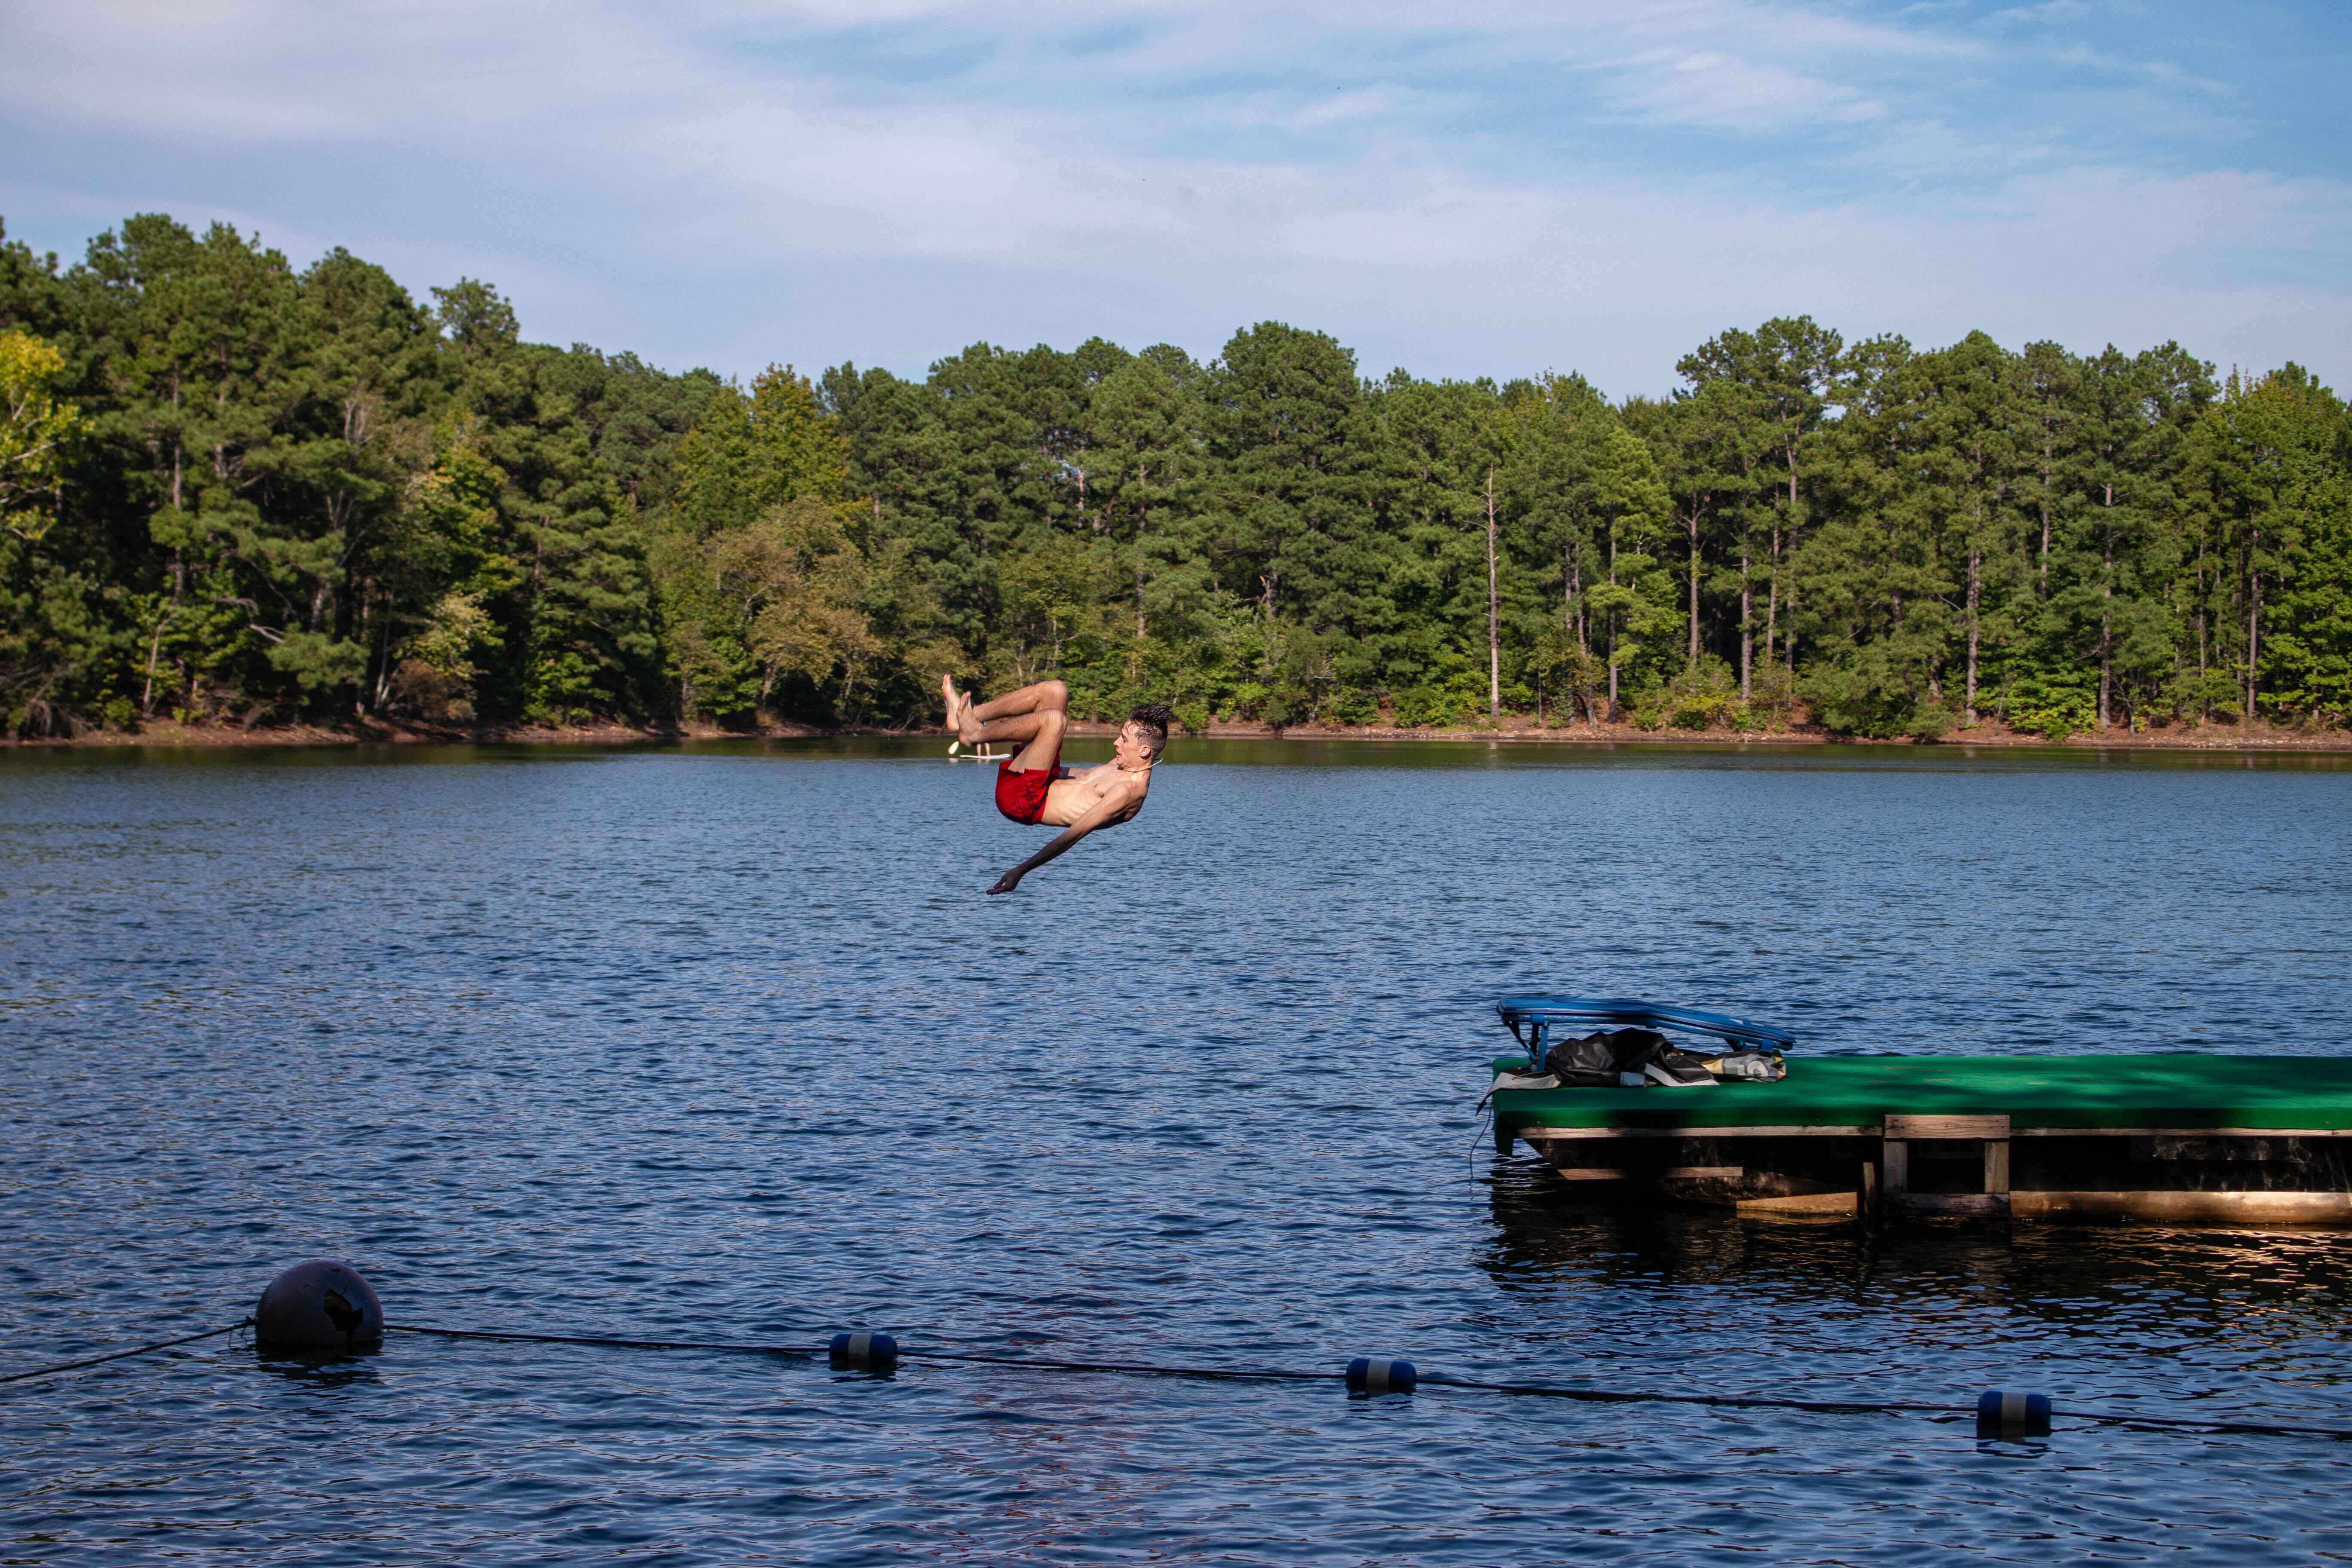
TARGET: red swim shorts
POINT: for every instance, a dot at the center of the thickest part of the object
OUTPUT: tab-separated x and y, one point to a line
1022	797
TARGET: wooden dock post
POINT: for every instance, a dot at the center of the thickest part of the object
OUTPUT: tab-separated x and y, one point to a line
1902	1131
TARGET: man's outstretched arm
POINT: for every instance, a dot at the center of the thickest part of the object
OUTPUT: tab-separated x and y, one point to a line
1062	841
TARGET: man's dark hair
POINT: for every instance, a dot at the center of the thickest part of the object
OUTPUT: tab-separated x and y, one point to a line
1155	721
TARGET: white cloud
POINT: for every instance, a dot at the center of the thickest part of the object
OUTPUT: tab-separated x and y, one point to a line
1497	187
1711	87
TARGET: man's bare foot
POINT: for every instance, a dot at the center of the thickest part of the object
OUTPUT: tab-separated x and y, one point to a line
967	728
956	705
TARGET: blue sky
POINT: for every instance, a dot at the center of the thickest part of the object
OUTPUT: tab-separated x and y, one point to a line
1465	187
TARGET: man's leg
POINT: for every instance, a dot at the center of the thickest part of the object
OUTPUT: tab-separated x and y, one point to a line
1035	715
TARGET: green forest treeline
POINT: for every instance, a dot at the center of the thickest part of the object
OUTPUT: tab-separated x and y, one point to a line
235	491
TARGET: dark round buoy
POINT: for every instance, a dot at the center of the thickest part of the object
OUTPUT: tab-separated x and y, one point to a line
318	1309
2002	1413
877	1353
1370	1375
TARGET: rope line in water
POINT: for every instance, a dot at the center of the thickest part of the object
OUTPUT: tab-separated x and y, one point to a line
1436	1380
1270	1374
1724	1401
1219	1374
2198	1423
1131	1369
124	1355
1866	1407
800	1353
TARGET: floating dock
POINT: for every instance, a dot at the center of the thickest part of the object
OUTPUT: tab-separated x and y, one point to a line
2178	1139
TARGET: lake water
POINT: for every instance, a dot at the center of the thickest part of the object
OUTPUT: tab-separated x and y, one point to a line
724	1042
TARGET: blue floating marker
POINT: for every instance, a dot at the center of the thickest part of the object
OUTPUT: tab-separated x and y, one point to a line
1368	1376
2005	1414
877	1353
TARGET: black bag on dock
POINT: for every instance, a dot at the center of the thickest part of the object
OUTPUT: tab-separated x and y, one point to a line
1675	1067
1588	1063
1630	1058
1599	1060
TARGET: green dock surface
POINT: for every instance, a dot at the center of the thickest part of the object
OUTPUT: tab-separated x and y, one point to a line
2184	1091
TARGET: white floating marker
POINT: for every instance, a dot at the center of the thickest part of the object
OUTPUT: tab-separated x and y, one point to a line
1369	1376
2002	1414
877	1353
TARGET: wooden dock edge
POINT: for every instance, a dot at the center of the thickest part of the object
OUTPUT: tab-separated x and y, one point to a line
1802	1205
1886	1181
2186	1208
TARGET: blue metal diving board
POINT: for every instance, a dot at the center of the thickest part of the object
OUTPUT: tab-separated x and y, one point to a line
1531	1019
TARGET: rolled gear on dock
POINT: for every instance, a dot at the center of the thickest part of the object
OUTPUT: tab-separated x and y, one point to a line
2174	1138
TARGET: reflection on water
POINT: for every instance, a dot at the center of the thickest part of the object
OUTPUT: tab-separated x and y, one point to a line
1551	1238
324	1371
722	1042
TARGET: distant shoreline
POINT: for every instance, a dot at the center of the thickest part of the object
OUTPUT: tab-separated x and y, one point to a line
1515	730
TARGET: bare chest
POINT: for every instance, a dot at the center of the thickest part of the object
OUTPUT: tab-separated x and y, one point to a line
1071	798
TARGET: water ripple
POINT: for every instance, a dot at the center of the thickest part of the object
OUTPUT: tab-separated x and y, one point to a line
722	1041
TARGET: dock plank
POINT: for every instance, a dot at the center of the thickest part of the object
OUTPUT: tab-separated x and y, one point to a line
2184	1092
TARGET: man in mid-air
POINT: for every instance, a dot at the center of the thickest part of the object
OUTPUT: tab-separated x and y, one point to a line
1032	786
